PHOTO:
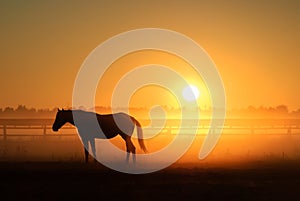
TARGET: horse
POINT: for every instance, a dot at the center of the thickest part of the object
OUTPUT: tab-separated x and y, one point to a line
111	125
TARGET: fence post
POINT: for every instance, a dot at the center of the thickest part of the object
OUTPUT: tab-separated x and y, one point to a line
289	131
44	129
252	130
4	132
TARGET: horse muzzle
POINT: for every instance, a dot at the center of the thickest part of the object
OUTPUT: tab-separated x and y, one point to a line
55	129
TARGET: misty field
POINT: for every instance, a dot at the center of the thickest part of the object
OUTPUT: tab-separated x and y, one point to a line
247	164
242	140
230	148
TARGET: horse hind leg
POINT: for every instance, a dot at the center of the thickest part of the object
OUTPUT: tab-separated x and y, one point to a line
130	148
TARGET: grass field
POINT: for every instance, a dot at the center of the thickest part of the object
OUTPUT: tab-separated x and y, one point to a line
253	166
79	181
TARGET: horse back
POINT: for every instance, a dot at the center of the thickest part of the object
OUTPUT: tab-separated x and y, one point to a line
114	124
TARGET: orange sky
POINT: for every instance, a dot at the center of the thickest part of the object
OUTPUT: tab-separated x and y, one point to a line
255	45
158	94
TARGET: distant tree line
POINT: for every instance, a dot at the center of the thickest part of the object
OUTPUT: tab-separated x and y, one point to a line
21	111
261	111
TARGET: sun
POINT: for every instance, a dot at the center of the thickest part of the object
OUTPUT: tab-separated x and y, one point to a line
190	93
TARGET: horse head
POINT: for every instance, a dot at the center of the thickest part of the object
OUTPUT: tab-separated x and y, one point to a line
60	119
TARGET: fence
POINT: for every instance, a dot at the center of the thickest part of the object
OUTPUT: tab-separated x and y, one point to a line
249	126
42	125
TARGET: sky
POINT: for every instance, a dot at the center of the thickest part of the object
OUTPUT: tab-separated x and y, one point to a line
254	44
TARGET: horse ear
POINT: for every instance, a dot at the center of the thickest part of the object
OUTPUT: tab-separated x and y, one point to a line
63	109
58	110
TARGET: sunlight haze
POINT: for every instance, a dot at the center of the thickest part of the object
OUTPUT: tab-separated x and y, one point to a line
254	44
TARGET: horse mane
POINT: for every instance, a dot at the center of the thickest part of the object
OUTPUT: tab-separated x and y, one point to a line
70	110
83	112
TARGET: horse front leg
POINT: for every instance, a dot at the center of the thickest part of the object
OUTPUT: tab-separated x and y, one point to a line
128	152
134	156
127	157
86	152
93	146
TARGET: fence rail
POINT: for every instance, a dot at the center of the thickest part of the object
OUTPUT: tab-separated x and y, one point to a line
251	125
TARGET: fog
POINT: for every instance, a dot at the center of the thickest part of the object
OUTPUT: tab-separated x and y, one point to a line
230	149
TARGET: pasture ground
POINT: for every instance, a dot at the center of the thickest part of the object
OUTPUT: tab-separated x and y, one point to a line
78	181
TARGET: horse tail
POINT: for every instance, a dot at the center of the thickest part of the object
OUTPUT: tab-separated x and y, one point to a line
140	134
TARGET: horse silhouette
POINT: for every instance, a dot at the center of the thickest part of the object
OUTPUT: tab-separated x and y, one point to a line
111	125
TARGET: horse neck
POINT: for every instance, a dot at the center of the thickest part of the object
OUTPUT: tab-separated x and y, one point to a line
69	117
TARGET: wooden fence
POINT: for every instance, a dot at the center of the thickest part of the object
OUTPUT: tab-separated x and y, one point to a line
289	126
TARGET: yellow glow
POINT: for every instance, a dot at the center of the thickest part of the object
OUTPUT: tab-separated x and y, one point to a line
190	93
149	96
266	51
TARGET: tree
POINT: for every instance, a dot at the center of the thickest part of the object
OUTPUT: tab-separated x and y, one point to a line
282	109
